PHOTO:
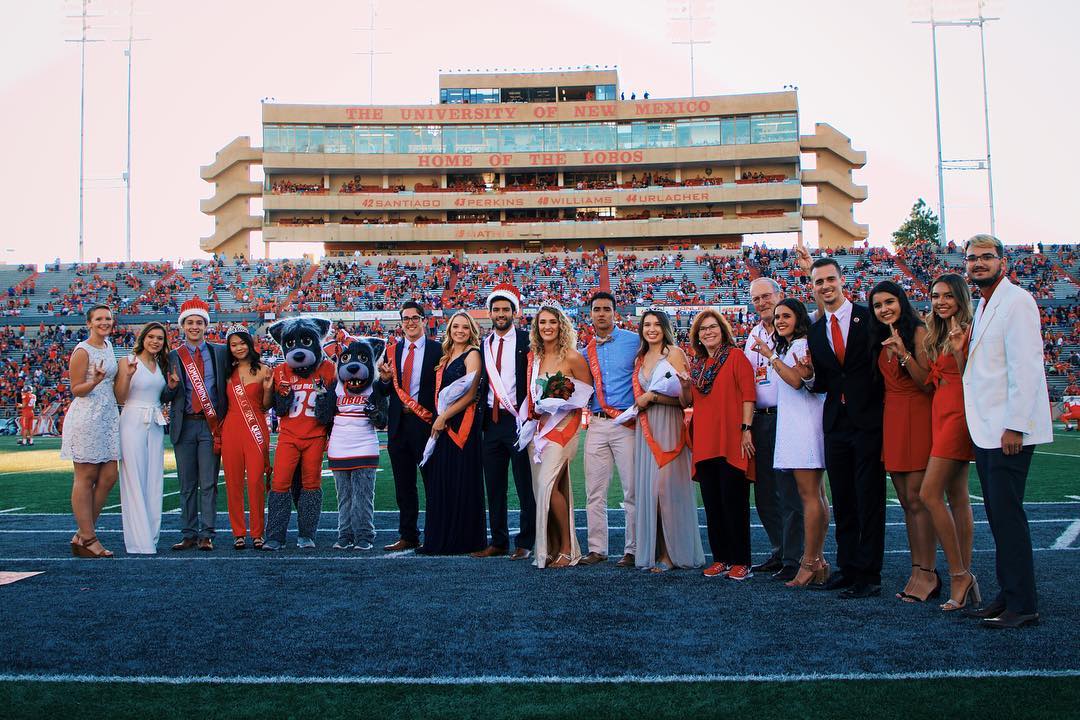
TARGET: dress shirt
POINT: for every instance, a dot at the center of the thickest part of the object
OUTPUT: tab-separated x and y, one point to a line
843	315
507	367
616	358
417	363
764	377
208	375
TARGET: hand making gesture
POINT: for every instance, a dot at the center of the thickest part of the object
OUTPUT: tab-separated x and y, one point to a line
805	366
762	348
894	343
957	336
132	366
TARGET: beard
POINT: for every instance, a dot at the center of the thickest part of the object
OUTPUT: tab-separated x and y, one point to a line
988	281
502	324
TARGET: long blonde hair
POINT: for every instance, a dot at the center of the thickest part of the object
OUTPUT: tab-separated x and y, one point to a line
937	335
567	334
448	343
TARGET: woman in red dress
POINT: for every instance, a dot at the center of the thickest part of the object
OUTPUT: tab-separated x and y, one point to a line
906	430
245	439
947	471
722	389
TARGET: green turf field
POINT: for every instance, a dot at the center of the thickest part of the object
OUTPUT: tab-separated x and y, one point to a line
35	479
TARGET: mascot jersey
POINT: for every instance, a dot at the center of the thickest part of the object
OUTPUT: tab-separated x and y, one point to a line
300	422
29	400
353	442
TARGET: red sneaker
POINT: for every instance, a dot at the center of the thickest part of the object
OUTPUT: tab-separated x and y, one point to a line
715	570
739	572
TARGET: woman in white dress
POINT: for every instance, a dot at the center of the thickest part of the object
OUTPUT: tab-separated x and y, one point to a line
142	438
555	443
91	436
667	520
800	442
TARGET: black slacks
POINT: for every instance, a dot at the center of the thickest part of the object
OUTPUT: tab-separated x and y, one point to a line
500	454
857	480
725	492
1003	479
406	448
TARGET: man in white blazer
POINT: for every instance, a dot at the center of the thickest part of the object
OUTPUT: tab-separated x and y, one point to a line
1008	414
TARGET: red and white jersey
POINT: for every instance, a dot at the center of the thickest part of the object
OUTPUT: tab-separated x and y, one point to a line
27	403
353	442
300	423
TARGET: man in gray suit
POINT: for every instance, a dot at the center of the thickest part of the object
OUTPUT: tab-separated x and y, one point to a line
197	385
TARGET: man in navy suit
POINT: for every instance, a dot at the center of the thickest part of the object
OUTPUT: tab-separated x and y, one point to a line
506	356
196	391
844	357
407	377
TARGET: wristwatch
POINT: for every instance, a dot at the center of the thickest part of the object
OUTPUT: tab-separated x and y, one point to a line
744	427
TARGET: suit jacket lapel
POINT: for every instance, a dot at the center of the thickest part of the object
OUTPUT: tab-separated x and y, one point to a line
988	313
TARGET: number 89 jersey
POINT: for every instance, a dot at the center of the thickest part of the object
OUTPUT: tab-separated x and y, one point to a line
300	422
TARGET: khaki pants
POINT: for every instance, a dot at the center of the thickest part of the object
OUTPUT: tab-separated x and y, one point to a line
608	446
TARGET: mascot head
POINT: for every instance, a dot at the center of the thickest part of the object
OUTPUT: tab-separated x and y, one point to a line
300	339
356	359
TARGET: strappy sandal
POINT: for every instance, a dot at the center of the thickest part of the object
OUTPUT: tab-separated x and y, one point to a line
257	543
239	544
905	596
971	595
562	560
935	592
81	548
660	567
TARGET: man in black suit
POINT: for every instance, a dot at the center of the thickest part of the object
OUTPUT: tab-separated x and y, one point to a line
407	376
196	410
844	357
506	356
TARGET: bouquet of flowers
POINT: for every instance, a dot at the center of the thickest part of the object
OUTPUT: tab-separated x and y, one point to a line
556	386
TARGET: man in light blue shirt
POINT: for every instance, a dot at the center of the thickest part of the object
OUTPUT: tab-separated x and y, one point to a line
611	355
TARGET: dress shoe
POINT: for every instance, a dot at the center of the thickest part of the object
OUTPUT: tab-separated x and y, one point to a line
628	560
860	590
838	581
992	610
186	544
521	554
1010	620
489	551
593	558
771	565
786	573
206	544
400	545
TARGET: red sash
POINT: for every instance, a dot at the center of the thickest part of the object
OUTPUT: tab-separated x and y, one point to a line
598	382
662	457
250	419
198	386
529	387
462	433
406	399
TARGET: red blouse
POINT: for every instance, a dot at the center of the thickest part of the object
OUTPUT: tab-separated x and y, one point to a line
718	416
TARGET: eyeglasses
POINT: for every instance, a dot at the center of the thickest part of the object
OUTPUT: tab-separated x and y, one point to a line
985	257
708	328
756	298
411	318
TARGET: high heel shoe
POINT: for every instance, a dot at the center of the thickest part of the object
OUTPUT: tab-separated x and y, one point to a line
903	594
818	571
81	548
971	595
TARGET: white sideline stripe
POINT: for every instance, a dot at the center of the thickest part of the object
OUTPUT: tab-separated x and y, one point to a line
168	494
517	680
1040	452
360	556
12	510
1068	537
975	497
332	529
1031	503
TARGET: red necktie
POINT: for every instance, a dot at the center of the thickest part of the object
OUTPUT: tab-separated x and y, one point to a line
406	371
498	369
837	340
196	401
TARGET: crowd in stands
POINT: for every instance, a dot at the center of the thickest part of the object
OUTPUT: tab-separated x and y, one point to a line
288	186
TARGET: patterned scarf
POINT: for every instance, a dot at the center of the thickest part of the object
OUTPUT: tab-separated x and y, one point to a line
704	372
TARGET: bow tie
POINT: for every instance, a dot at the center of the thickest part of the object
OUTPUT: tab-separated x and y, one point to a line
604	340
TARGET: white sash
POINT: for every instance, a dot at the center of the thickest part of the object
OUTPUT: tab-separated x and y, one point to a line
496	382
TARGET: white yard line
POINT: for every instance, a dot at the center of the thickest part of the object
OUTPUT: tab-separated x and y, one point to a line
1068	537
1042	452
168	494
12	510
518	680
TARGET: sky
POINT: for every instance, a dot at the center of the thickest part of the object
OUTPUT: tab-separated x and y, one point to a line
199	76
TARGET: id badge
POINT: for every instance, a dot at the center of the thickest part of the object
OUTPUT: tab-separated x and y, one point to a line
761	375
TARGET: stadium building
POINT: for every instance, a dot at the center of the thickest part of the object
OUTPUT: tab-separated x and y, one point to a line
533	161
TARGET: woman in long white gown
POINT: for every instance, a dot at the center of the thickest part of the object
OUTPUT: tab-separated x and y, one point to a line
142	438
667	519
555	442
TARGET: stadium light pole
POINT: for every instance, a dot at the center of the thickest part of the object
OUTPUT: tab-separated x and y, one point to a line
131	39
371	52
688	9
82	40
